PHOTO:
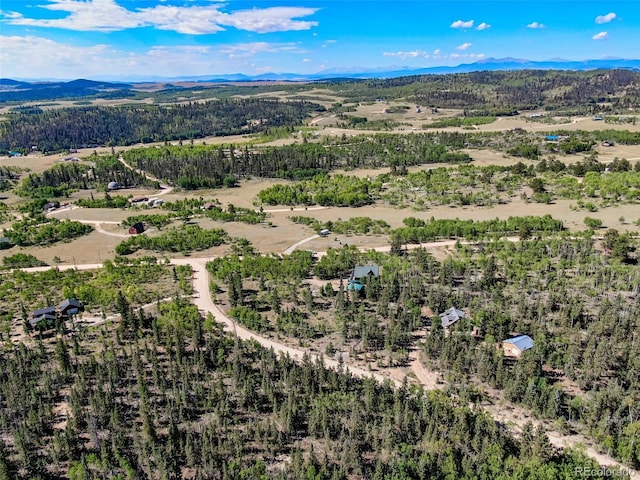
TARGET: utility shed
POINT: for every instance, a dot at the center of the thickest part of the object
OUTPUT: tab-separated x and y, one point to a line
514	347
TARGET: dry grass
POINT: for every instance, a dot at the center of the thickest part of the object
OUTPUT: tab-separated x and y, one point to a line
97	246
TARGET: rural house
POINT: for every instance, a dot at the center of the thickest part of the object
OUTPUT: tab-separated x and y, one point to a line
70	306
516	346
5	242
136	228
50	206
365	271
361	272
43	318
451	316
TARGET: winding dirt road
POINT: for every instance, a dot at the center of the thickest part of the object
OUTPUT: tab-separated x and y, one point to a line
512	416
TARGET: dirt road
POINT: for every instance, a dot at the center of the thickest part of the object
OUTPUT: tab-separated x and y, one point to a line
512	416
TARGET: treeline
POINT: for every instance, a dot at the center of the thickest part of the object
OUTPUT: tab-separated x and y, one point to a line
207	166
63	178
184	240
611	183
108	201
8	177
22	260
460	122
88	127
194	208
325	190
354	225
169	396
40	230
418	231
212	209
592	91
252	265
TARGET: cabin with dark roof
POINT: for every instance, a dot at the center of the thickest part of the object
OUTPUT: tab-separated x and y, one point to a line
44	311
43	318
136	228
43	322
365	271
5	242
70	306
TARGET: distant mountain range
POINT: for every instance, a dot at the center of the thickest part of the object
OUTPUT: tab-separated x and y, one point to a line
486	64
14	90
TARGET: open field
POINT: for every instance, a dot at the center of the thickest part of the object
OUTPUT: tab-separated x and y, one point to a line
97	247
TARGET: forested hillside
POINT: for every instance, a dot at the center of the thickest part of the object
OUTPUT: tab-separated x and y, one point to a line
170	396
575	300
503	92
207	166
82	127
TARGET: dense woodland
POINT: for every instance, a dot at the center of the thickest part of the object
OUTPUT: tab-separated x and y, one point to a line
71	128
63	178
576	297
209	166
167	396
503	92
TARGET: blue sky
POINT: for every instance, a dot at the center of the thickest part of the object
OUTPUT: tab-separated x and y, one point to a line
117	39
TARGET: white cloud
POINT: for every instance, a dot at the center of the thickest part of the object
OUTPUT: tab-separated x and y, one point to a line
306	60
244	50
438	55
605	18
464	56
274	19
405	55
462	24
35	54
107	16
535	25
36	57
464	46
601	36
483	26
